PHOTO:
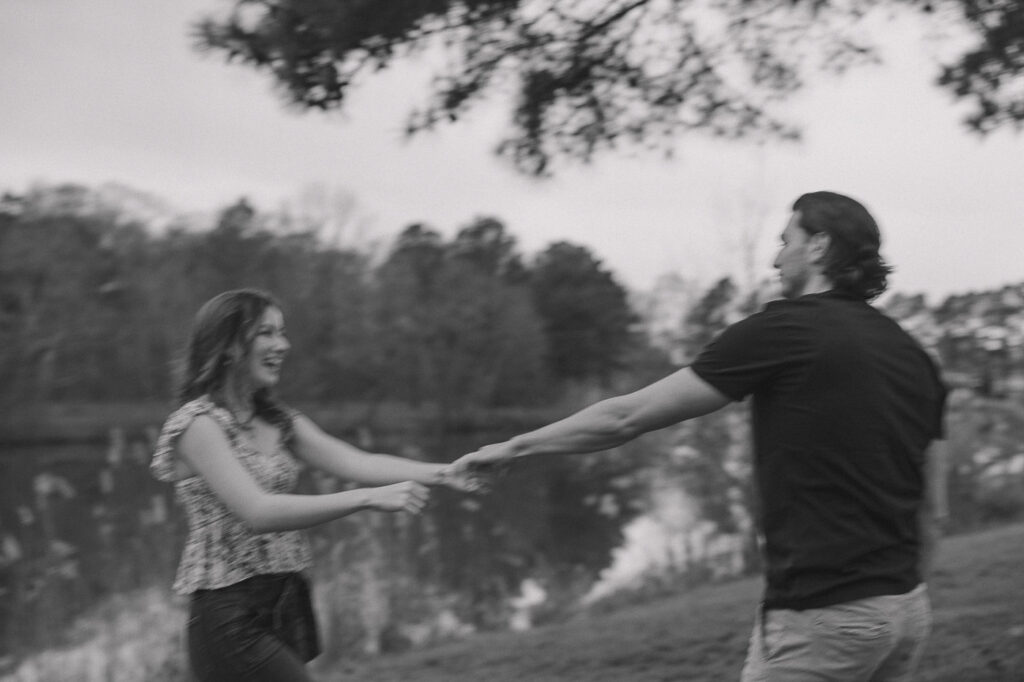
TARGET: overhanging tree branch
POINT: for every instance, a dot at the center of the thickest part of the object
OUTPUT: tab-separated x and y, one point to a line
588	76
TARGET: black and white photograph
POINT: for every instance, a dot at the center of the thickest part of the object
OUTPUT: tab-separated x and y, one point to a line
512	341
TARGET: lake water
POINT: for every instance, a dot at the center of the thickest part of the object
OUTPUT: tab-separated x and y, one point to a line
82	521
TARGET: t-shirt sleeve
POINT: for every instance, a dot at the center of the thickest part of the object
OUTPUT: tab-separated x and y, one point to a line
749	353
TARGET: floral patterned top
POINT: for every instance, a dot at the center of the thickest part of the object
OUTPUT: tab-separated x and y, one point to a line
220	549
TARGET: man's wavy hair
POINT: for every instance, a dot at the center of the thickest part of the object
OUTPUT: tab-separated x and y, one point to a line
852	263
223	325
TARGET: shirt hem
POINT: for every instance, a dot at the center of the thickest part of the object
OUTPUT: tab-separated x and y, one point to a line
843	594
194	586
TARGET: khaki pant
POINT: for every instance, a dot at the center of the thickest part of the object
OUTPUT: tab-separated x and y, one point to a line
879	639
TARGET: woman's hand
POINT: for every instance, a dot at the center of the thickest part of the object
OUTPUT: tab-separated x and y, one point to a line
463	480
406	496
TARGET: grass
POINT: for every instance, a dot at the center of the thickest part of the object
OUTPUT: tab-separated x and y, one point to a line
701	635
977	595
133	637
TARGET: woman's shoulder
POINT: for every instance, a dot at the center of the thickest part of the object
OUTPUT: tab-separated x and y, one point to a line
164	464
186	413
196	406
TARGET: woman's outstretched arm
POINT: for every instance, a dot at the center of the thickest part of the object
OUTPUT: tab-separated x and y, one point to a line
335	456
205	448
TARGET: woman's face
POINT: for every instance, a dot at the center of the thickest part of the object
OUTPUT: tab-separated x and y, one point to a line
268	348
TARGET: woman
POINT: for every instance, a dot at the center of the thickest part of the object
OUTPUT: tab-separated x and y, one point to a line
233	452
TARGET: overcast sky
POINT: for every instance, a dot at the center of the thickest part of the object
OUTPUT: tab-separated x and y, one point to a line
95	91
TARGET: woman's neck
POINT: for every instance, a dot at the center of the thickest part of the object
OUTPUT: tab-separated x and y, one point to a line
239	402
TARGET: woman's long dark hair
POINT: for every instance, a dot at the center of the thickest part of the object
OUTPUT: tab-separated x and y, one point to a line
853	263
224	327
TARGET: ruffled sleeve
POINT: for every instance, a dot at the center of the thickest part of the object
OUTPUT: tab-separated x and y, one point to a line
163	466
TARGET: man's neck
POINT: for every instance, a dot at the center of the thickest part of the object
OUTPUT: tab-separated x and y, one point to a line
817	283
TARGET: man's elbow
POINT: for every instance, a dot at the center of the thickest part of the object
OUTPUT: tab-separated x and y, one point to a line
623	422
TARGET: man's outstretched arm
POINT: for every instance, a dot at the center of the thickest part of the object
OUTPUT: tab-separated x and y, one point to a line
612	422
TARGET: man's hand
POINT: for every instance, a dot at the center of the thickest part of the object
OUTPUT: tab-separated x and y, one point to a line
490	459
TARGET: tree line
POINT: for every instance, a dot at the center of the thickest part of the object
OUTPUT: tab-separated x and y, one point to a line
94	307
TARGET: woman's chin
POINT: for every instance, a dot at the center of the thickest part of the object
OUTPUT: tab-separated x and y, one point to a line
266	381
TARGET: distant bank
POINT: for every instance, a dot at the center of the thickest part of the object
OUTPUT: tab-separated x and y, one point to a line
58	423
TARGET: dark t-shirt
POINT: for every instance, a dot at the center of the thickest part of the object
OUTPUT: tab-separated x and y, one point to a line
844	405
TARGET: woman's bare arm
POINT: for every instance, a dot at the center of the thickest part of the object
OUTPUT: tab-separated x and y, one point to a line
205	448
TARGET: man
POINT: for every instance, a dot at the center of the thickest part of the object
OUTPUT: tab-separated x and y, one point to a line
844	405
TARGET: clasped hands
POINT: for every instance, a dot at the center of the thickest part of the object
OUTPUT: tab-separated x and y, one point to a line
474	472
471	473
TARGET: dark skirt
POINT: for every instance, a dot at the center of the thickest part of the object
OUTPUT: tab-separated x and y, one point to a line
239	629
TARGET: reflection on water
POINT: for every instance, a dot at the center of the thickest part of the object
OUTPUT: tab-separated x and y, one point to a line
78	522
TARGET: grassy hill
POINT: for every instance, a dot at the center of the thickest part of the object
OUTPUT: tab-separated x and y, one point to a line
977	593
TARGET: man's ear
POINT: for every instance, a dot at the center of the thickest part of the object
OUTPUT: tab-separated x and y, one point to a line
817	246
